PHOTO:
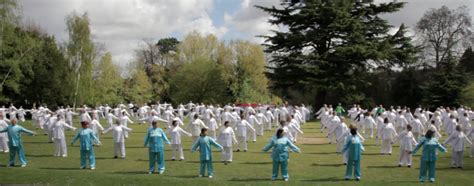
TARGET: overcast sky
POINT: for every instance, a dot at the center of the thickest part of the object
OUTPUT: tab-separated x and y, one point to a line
121	25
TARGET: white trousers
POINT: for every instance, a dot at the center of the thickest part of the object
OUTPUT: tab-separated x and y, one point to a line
212	134
254	134
405	157
369	132
386	147
177	148
242	142
259	130
226	154
119	149
268	125
4	144
340	145
416	135
60	148
457	158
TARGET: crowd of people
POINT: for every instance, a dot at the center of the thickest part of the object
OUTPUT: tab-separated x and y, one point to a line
224	127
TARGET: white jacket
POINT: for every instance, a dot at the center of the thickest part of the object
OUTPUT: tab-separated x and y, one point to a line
227	137
406	140
118	132
175	134
456	140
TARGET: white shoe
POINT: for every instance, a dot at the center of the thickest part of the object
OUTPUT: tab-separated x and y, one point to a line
161	172
200	176
24	165
150	172
210	176
92	168
286	179
65	155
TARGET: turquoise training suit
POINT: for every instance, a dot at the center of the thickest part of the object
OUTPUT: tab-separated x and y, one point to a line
355	148
15	143
280	155
428	157
204	144
154	139
87	138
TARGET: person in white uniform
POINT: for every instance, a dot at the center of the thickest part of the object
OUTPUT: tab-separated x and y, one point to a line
388	135
59	138
118	132
407	142
227	139
176	146
457	140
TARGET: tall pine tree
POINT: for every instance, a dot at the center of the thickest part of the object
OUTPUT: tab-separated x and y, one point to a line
333	45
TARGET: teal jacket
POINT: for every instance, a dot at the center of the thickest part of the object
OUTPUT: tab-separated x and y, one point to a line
354	146
280	148
429	149
204	144
87	138
154	139
14	134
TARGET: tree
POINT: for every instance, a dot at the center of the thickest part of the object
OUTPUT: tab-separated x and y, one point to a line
250	83
108	82
81	53
445	86
199	81
466	63
331	45
138	87
443	32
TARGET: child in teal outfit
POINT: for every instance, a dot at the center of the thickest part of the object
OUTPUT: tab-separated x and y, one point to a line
354	148
280	145
428	156
155	139
204	144
87	138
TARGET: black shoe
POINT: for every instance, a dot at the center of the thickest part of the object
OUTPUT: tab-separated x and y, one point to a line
409	166
399	165
238	150
357	179
345	163
173	159
347	179
245	150
115	157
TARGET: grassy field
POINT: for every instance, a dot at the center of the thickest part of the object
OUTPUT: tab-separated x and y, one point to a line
318	164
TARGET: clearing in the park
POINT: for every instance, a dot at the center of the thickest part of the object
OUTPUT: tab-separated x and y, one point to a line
318	164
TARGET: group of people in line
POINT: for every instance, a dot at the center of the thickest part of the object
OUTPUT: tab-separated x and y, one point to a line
223	127
412	130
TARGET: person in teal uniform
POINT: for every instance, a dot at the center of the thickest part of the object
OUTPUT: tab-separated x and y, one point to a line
428	155
280	145
354	149
204	144
154	140
339	110
14	142
87	139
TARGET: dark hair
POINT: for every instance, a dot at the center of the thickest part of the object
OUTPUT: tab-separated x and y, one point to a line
409	127
203	130
196	116
279	133
432	121
84	123
226	123
385	120
154	122
354	131
429	134
174	123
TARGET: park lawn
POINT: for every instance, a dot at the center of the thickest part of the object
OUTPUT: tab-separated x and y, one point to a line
318	164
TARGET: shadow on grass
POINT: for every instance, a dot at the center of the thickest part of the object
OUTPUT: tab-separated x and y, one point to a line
249	179
323	153
330	179
105	158
185	176
257	163
314	144
61	168
383	167
136	172
38	155
328	165
374	154
36	142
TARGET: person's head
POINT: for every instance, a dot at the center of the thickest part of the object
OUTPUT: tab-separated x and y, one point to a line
409	127
13	122
85	124
174	123
226	124
196	116
458	128
279	133
282	123
154	124
429	134
452	116
1	116
415	116
204	132
465	114
432	122
354	130
385	120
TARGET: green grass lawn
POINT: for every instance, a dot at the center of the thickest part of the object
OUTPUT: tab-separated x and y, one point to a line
318	164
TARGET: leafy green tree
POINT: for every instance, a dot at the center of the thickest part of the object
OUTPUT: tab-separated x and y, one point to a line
332	45
81	53
466	63
138	88
200	80
108	82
